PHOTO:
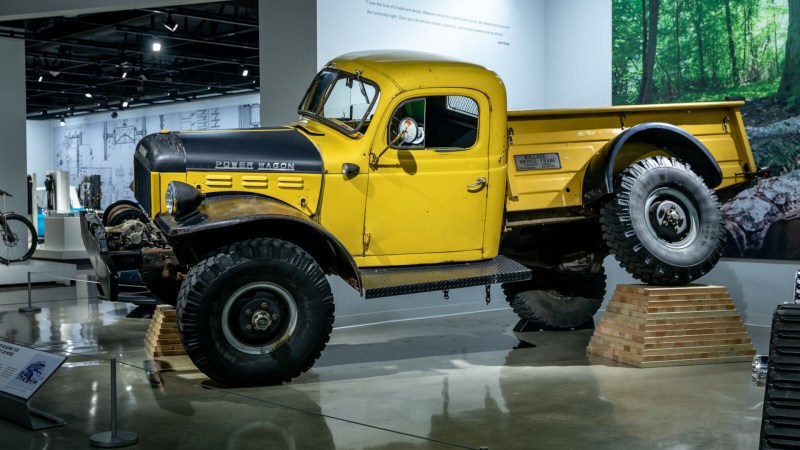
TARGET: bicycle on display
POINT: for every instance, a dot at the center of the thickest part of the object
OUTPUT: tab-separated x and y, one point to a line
19	235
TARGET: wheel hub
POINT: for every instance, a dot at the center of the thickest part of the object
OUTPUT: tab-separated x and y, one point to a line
10	239
259	318
671	216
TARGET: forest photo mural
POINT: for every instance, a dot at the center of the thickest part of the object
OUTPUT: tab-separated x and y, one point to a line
673	51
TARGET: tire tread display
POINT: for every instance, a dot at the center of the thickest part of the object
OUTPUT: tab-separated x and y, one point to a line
781	414
210	283
636	239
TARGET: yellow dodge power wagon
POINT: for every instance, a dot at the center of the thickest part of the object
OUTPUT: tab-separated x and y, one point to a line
405	173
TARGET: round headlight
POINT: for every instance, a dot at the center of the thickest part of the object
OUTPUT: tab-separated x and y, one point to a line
182	199
169	198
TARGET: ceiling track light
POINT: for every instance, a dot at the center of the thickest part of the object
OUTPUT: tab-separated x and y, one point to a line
62	122
41	77
245	71
170	24
88	93
125	103
156	46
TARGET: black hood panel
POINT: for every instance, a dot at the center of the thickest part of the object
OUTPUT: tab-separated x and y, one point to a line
265	150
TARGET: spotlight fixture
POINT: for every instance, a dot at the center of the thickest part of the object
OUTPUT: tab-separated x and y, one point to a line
62	122
114	114
124	73
245	71
87	93
125	103
156	46
41	77
170	24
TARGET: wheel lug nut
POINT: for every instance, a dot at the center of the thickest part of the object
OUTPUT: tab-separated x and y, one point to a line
248	327
248	312
264	306
274	317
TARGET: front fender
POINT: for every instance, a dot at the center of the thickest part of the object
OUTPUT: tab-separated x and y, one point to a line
676	142
222	220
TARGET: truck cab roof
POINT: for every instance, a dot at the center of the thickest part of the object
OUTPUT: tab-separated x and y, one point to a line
409	70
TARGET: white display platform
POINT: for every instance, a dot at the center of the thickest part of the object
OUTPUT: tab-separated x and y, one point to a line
41	272
62	239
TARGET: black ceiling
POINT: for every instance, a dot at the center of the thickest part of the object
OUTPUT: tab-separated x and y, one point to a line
66	57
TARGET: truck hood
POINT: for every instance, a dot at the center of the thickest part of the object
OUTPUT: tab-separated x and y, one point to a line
262	150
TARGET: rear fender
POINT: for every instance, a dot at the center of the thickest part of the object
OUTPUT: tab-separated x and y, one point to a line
666	138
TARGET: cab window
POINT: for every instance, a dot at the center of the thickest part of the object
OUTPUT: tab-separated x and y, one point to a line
442	122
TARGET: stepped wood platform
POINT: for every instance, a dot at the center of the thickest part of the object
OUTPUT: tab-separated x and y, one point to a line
162	337
652	326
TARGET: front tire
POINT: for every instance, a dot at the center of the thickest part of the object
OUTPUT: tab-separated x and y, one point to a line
663	224
19	239
259	312
557	300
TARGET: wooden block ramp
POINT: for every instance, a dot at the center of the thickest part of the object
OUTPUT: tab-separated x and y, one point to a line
652	326
162	337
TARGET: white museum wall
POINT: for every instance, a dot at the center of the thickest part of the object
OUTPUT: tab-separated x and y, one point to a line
12	119
577	54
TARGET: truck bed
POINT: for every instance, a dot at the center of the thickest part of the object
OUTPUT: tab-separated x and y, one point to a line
550	149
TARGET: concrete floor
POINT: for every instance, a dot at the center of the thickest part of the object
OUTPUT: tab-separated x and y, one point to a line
465	381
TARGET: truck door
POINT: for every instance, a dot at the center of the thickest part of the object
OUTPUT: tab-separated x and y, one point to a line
427	192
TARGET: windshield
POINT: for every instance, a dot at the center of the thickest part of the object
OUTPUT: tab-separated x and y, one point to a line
344	100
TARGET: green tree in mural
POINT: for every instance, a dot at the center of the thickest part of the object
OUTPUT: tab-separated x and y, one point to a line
731	46
649	43
789	89
697	50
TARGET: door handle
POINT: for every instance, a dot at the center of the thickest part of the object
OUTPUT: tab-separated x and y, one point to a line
479	182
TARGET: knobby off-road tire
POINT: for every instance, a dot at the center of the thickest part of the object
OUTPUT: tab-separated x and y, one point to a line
258	312
557	300
663	224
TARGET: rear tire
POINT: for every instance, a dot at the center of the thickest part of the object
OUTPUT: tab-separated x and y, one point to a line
259	312
663	224
557	300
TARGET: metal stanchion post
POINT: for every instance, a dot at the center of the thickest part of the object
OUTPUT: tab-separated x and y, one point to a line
113	438
29	308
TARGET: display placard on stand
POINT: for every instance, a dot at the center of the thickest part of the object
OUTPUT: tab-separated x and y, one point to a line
23	371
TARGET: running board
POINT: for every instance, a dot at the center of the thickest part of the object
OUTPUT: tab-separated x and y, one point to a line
437	277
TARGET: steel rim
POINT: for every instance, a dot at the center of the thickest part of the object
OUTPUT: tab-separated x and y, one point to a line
671	218
259	318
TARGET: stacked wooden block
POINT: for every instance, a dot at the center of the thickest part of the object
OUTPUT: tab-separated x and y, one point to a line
648	326
162	337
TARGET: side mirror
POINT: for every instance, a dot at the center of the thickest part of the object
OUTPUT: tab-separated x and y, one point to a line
409	132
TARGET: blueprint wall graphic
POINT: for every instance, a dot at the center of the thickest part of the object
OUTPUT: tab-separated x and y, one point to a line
106	148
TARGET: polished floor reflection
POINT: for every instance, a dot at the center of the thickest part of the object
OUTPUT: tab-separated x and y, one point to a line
465	381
